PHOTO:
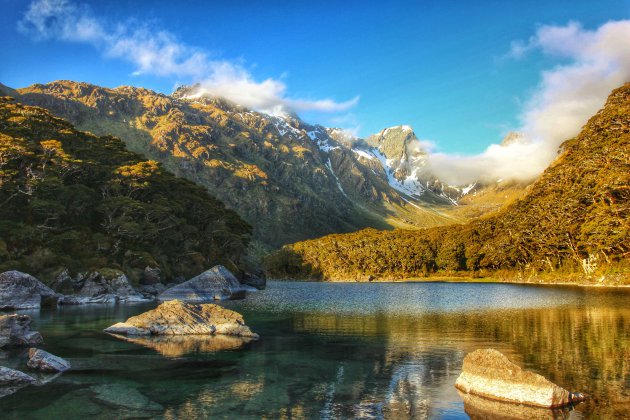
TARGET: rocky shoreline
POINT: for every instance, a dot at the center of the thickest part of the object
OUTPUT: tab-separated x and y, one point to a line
184	311
20	290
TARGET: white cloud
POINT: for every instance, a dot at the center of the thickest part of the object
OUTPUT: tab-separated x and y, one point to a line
594	63
158	52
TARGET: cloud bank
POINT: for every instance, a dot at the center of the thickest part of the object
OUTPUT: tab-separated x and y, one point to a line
159	52
595	62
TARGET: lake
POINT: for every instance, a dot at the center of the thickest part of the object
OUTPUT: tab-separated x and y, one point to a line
339	350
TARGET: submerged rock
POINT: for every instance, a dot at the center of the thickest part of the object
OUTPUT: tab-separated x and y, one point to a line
44	361
214	284
12	380
96	287
15	331
490	374
22	291
123	396
180	318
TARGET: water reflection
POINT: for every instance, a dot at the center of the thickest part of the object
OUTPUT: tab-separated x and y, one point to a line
179	345
479	408
343	354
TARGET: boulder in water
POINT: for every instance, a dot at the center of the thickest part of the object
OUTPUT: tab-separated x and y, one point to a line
22	291
44	361
97	287
180	318
214	284
15	331
490	374
12	380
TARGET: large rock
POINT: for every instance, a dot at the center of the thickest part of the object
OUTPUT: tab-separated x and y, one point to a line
490	374
96	287
44	361
12	380
180	318
15	331
151	275
22	291
257	280
214	284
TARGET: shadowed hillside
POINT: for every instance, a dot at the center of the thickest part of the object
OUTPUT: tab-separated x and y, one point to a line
72	200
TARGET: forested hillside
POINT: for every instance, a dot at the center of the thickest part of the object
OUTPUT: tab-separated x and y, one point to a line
574	219
73	200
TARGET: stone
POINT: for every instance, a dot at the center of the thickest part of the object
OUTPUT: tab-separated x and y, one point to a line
214	284
179	318
96	287
151	275
12	381
124	396
150	291
490	374
87	300
257	280
22	291
15	331
44	361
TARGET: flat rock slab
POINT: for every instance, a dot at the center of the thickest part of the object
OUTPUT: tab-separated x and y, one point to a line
15	331
46	362
180	318
490	374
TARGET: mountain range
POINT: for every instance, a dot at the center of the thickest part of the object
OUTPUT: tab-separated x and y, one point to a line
572	222
289	179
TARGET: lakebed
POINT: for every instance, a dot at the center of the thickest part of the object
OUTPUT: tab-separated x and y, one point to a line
339	350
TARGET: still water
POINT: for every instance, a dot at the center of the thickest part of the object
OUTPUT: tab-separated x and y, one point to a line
339	350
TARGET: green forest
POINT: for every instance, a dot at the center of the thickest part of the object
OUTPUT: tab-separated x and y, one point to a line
72	200
574	221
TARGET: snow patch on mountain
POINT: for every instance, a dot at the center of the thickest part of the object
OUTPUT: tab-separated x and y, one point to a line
330	168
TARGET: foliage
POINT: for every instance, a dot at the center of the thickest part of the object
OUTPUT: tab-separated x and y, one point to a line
72	200
575	217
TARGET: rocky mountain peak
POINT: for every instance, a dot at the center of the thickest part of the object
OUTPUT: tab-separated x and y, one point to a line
514	137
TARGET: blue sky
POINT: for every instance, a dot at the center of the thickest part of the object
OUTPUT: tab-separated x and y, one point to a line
443	67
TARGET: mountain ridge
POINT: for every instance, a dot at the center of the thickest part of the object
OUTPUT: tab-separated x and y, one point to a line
289	179
573	221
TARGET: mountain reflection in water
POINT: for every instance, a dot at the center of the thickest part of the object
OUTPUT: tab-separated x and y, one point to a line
344	351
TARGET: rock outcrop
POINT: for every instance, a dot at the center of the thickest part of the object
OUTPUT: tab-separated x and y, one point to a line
12	380
22	291
46	362
180	318
15	331
214	284
96	287
490	374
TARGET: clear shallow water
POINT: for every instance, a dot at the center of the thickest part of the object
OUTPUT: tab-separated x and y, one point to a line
339	350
